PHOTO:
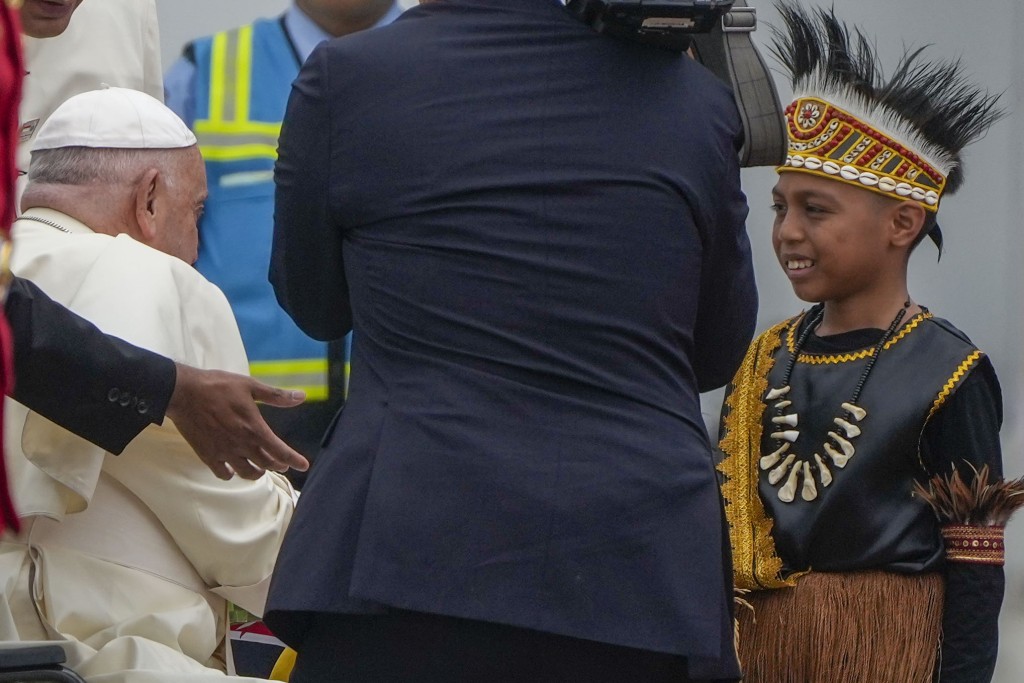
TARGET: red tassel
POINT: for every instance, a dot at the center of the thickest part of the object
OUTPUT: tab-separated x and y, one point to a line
11	71
8	516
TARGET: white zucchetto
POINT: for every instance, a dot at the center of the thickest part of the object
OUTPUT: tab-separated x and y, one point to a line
116	118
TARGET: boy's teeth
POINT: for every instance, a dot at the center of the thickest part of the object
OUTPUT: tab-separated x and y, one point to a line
799	265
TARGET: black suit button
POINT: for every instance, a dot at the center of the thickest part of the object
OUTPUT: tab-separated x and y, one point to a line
114	395
142	407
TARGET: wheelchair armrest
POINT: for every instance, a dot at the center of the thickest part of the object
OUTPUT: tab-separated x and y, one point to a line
31	657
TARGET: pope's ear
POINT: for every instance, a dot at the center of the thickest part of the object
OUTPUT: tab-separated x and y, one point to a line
147	191
908	219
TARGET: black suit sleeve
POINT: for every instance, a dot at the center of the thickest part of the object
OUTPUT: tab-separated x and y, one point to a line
306	266
727	309
92	384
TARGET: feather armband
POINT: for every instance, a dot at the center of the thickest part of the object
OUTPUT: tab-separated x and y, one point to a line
973	515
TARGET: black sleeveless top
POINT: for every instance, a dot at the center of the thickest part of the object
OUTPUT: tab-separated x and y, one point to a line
866	517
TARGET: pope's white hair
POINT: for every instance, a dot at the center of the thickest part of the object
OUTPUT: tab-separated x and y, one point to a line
101	165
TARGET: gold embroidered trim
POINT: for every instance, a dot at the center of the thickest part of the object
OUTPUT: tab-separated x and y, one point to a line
974	544
756	565
909	327
826	359
951	383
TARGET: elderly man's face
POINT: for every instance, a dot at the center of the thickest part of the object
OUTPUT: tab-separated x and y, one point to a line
47	18
178	232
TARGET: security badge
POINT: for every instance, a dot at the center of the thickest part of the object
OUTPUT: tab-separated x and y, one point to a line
27	130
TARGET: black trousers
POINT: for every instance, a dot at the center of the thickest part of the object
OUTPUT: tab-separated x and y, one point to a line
411	647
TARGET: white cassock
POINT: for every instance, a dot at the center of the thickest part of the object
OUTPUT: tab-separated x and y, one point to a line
132	557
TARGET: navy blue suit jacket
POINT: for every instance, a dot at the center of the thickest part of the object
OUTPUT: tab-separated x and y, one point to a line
537	235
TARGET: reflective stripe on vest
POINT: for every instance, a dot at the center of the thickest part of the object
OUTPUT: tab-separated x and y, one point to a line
228	134
242	151
308	375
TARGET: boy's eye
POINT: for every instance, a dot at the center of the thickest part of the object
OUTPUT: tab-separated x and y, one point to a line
778	208
811	208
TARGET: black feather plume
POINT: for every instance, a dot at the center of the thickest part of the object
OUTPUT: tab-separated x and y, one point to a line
933	98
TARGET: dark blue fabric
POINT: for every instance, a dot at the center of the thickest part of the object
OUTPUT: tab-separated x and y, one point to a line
537	234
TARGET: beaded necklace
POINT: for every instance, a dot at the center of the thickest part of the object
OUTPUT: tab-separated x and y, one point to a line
781	464
45	221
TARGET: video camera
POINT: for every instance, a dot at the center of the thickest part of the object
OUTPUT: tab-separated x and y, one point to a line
717	34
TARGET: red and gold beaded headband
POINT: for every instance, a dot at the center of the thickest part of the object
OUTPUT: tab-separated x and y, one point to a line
828	141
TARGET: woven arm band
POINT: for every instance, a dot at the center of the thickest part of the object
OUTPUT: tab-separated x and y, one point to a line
974	544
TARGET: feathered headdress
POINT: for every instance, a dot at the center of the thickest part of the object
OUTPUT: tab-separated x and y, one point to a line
899	136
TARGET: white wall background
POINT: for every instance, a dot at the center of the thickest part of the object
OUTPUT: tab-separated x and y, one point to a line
978	284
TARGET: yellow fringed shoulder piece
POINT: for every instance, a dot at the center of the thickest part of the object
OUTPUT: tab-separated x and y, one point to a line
756	565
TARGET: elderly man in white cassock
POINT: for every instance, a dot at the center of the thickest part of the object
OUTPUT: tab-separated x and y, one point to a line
129	560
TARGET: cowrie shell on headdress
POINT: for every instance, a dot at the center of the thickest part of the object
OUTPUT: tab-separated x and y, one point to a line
849	173
869	179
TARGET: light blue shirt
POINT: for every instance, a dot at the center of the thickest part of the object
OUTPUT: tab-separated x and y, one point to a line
305	34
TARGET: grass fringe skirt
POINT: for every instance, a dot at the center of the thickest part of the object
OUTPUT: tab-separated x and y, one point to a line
857	627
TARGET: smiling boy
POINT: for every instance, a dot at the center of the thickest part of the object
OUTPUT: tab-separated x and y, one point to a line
836	413
845	247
